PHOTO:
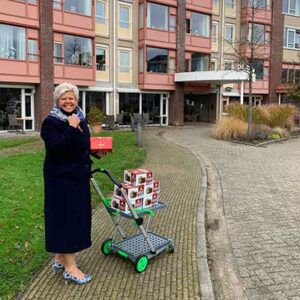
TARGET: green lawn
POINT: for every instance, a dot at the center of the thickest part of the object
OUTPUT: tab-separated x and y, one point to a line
13	142
21	207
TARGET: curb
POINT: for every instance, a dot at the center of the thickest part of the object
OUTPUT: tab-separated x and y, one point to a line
205	280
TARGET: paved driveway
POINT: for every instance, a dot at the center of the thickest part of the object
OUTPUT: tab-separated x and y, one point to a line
260	194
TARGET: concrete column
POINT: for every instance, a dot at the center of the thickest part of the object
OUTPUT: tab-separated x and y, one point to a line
279	99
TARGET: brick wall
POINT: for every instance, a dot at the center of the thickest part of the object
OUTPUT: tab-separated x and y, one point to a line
44	92
276	49
177	98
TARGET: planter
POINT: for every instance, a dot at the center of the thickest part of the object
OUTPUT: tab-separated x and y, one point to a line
96	128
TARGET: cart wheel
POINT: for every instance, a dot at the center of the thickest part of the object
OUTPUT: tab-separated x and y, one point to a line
141	264
171	248
105	247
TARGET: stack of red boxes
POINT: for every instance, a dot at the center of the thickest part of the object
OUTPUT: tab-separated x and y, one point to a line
141	188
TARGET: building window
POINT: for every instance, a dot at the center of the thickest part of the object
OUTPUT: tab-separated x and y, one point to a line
230	4
58	57
124	61
157	60
100	12
228	65
258	67
291	76
172	65
32	50
243	33
200	62
78	50
291	38
97	99
141	60
129	104
79	6
200	24
214	32
291	7
157	16
188	26
258	35
229	33
57	4
124	16
12	42
172	26
259	4
100	59
213	65
141	15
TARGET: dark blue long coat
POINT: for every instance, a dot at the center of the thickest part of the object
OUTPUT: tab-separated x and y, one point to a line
67	170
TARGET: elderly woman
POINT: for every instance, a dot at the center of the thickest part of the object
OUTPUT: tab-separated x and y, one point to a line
67	170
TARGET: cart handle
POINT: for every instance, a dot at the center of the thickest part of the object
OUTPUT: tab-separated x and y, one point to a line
112	178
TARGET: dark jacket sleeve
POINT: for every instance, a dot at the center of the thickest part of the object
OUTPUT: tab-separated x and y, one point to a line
61	138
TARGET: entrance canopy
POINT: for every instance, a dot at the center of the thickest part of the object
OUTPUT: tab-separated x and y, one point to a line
216	77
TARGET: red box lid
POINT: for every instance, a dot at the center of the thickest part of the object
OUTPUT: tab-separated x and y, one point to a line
101	144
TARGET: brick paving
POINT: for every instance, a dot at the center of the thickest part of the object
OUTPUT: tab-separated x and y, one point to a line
260	194
169	276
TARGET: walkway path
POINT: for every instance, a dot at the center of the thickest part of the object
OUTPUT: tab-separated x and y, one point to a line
260	190
169	276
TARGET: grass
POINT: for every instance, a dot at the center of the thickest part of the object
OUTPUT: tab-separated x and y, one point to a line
230	128
13	142
273	115
21	207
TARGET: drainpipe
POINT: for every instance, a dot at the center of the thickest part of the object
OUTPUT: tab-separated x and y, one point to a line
114	55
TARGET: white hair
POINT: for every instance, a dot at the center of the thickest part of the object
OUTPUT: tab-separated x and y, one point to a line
63	88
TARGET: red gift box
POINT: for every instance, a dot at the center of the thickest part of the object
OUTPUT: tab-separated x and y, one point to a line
101	144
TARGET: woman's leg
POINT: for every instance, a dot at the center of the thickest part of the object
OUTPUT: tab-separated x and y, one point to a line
71	266
59	258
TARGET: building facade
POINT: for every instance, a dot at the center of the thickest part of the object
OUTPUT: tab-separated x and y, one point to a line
126	56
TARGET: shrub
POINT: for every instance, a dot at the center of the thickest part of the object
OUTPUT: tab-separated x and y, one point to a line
230	128
273	115
281	131
280	115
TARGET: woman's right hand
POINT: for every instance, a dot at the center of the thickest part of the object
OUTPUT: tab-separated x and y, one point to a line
74	120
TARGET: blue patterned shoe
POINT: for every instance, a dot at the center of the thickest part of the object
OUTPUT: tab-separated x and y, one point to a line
56	266
87	278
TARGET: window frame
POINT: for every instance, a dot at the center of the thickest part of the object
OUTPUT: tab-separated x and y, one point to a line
129	66
31	54
149	24
232	27
105	12
127	22
105	48
62	53
166	67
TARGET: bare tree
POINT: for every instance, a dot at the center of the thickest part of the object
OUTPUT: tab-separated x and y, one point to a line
251	48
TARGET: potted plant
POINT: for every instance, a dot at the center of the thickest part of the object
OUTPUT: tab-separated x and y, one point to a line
95	119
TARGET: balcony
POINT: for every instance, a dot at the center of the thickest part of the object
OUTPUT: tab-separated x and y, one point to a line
156	81
157	38
71	73
204	6
18	13
19	71
262	52
258	87
263	16
73	23
195	43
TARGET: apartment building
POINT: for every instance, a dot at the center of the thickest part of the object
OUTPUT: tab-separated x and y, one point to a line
289	24
179	61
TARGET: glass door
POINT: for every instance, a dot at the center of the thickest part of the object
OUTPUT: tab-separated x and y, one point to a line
164	108
27	112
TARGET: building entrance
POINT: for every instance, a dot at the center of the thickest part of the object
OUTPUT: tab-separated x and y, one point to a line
196	108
